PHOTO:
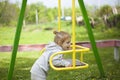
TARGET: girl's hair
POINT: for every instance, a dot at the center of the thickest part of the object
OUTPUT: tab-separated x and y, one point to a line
61	36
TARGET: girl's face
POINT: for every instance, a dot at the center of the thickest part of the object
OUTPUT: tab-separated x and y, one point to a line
66	44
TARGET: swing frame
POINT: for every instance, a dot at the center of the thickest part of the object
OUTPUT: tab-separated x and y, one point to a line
18	32
80	50
74	46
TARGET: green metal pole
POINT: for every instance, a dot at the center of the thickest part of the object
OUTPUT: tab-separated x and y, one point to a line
91	37
16	40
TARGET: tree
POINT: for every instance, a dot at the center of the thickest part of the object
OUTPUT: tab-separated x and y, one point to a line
105	10
30	15
8	13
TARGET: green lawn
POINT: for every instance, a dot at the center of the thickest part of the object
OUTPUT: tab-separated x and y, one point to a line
32	34
28	36
25	60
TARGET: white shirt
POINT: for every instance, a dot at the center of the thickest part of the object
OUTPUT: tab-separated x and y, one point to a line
43	60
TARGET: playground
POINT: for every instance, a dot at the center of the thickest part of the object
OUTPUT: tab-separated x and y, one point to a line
100	47
25	58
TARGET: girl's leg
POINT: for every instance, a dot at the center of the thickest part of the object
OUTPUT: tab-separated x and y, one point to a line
40	74
36	77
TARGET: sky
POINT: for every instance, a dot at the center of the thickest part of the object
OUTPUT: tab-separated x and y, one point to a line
67	3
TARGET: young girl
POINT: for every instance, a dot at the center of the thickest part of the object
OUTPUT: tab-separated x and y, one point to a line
41	66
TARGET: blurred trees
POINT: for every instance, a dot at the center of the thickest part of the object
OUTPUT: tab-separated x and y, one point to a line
8	13
109	15
30	15
105	10
37	12
44	14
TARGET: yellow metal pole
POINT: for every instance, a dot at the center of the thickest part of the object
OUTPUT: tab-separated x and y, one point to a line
59	15
81	56
73	32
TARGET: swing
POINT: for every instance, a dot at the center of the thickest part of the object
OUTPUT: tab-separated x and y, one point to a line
90	33
76	64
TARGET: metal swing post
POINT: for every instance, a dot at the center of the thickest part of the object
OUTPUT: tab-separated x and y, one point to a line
59	15
91	37
16	40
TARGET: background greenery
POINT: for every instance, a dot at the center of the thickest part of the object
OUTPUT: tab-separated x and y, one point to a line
33	34
42	32
25	60
37	34
45	14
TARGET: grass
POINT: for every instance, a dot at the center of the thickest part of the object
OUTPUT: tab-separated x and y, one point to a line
32	34
25	60
111	68
27	37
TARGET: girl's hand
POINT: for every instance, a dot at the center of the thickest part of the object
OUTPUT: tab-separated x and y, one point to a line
69	65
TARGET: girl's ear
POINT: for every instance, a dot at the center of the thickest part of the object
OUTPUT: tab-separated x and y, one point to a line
59	43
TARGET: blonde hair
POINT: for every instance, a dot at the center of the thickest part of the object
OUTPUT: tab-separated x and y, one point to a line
60	37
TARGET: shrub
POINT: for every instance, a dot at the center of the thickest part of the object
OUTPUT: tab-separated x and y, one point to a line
114	21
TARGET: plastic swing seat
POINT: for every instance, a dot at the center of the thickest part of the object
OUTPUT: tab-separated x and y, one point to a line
76	64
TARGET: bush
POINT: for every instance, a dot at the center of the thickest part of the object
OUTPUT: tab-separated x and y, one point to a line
114	21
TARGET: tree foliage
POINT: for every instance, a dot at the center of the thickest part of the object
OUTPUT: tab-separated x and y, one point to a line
114	21
44	14
8	13
104	10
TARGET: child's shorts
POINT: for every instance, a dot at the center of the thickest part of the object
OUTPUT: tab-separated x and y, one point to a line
41	76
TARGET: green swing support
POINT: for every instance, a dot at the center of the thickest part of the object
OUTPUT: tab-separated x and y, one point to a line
18	32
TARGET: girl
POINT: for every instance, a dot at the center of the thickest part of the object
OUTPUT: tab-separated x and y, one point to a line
62	41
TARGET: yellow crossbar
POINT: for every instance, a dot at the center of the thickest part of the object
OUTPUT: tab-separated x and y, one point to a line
75	48
73	32
80	50
59	15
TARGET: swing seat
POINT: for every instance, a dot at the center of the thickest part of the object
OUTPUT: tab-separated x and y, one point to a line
79	64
